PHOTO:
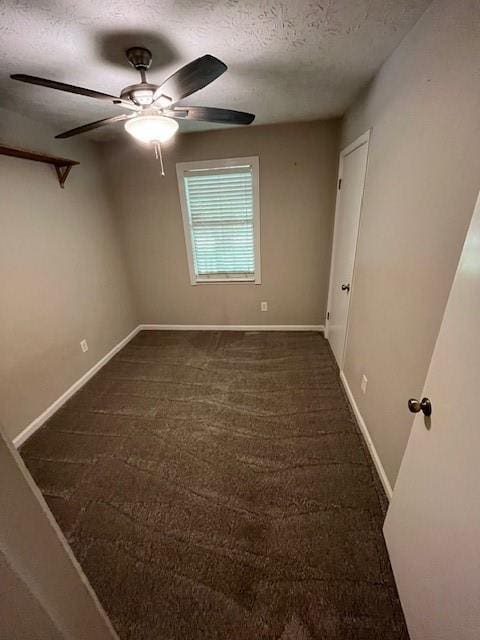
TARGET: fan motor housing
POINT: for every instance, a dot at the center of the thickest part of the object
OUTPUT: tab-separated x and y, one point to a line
141	93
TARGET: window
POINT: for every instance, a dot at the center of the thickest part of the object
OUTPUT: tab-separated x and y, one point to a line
220	206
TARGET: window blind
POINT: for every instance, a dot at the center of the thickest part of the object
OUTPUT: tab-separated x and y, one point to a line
221	214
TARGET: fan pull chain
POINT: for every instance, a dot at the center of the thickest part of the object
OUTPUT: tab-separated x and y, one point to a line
158	155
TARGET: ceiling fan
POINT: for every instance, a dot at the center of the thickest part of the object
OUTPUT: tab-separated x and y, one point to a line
154	108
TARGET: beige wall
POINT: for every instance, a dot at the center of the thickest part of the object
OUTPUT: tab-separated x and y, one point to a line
21	614
43	595
298	164
422	181
62	273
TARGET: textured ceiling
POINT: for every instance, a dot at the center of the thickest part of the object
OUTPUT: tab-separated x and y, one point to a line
288	59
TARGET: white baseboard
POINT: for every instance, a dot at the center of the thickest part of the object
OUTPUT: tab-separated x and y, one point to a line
371	447
55	406
232	327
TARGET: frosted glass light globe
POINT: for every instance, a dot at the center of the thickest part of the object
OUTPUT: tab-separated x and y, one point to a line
151	128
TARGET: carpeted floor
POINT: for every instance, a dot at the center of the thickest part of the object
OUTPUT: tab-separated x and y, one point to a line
214	485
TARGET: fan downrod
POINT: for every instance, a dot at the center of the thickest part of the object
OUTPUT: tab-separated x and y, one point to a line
139	57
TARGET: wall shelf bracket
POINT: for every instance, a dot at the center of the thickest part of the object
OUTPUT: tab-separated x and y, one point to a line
62	165
62	173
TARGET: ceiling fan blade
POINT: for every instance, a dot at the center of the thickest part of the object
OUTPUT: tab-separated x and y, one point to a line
70	88
192	77
93	125
210	114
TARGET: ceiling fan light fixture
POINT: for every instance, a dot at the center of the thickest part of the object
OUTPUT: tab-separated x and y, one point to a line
151	128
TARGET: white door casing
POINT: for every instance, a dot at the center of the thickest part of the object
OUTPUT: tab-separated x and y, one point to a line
47	593
351	181
432	527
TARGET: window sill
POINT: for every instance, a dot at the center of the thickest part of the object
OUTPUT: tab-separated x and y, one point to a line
252	280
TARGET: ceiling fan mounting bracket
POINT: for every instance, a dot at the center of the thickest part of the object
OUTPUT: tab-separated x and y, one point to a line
139	57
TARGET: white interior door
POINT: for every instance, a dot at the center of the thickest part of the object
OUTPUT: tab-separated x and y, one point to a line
351	173
433	523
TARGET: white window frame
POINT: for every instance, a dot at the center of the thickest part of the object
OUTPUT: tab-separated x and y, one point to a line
182	168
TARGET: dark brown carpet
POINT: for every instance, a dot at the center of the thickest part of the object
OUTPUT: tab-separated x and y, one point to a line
214	486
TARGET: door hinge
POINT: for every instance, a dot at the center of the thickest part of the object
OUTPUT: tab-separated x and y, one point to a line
339	184
328	315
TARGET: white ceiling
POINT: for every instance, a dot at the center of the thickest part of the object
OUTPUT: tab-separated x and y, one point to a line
288	59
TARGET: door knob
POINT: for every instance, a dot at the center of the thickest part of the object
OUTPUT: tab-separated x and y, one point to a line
424	405
346	287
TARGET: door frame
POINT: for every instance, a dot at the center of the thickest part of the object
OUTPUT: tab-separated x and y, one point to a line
30	553
353	146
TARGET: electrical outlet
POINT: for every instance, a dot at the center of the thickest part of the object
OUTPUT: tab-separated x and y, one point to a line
264	306
363	385
84	346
